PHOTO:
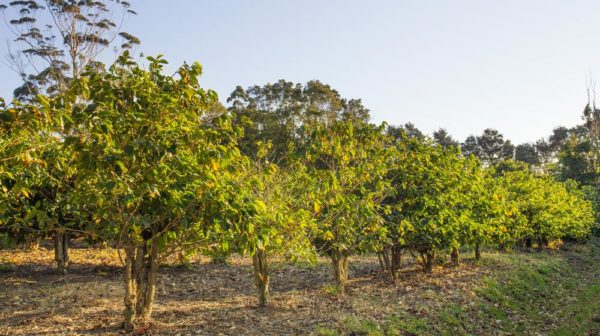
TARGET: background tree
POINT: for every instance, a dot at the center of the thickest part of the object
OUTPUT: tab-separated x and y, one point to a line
442	138
490	147
56	40
471	147
408	129
527	153
547	155
575	161
280	112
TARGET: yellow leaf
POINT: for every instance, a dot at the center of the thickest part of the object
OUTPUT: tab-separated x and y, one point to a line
316	207
261	205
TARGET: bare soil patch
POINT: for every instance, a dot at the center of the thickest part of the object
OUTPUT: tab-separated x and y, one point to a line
209	299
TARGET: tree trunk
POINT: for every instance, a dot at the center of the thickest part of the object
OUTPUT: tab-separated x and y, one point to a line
32	242
261	276
477	252
455	257
61	251
130	289
390	259
396	260
528	243
140	282
339	261
427	258
380	257
151	265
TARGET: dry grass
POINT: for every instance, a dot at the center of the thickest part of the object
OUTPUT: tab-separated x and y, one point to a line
208	299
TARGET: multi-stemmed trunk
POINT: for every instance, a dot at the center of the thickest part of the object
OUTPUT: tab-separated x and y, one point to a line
61	250
390	260
261	276
339	262
427	258
455	257
141	266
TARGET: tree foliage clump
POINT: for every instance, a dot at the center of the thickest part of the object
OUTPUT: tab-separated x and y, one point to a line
150	166
282	112
348	165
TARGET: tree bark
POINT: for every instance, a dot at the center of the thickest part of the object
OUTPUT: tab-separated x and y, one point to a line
455	257
130	290
140	282
339	261
380	257
262	277
151	266
427	258
396	260
477	252
61	251
391	259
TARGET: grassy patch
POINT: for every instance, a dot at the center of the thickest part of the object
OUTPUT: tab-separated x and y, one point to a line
527	293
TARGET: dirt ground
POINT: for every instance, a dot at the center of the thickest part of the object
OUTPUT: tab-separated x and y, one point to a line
208	299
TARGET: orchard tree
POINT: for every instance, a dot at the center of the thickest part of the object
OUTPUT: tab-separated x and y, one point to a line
347	166
149	164
55	41
493	218
550	211
41	204
433	203
404	170
24	130
275	222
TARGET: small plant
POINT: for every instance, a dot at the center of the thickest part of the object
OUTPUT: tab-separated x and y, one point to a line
355	326
324	331
6	266
333	289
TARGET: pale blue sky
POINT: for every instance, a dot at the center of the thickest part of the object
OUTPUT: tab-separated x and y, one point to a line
519	66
